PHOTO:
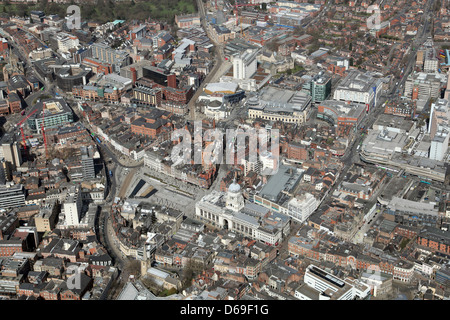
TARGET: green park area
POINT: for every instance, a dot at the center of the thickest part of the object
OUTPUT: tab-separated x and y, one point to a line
107	10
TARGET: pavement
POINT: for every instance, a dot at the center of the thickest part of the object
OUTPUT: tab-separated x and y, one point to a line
170	192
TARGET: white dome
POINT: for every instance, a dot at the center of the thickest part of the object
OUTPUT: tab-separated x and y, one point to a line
234	187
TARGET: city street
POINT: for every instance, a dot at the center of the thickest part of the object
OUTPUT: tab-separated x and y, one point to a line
334	90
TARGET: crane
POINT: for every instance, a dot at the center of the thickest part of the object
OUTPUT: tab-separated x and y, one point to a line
20	125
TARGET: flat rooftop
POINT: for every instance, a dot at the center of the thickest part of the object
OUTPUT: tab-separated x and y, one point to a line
285	179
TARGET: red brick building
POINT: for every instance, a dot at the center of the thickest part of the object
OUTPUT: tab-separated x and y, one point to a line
296	152
14	102
151	124
435	239
182	95
76	294
98	66
335	69
11	246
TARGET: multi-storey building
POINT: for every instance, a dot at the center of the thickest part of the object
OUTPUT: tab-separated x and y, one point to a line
72	206
66	41
435	239
423	86
301	207
147	96
160	77
321	285
12	196
295	110
343	114
151	124
87	162
229	211
50	112
10	151
244	64
358	87
104	53
45	220
319	87
187	21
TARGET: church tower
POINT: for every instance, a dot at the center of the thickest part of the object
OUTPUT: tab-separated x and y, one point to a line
144	262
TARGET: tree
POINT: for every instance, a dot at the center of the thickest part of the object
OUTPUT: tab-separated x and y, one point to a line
43	4
272	45
22	10
187	276
166	293
133	267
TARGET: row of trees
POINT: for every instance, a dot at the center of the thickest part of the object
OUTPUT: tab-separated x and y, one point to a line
107	10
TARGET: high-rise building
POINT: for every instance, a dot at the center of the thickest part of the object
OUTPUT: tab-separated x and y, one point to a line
439	129
12	196
447	90
10	151
72	206
245	64
319	87
87	162
439	145
3	172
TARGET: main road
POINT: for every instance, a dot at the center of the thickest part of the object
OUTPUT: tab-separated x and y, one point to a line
351	156
219	65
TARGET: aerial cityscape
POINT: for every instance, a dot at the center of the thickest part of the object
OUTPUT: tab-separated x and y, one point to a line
193	150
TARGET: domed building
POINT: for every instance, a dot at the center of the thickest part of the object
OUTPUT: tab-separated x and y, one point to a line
228	210
234	200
